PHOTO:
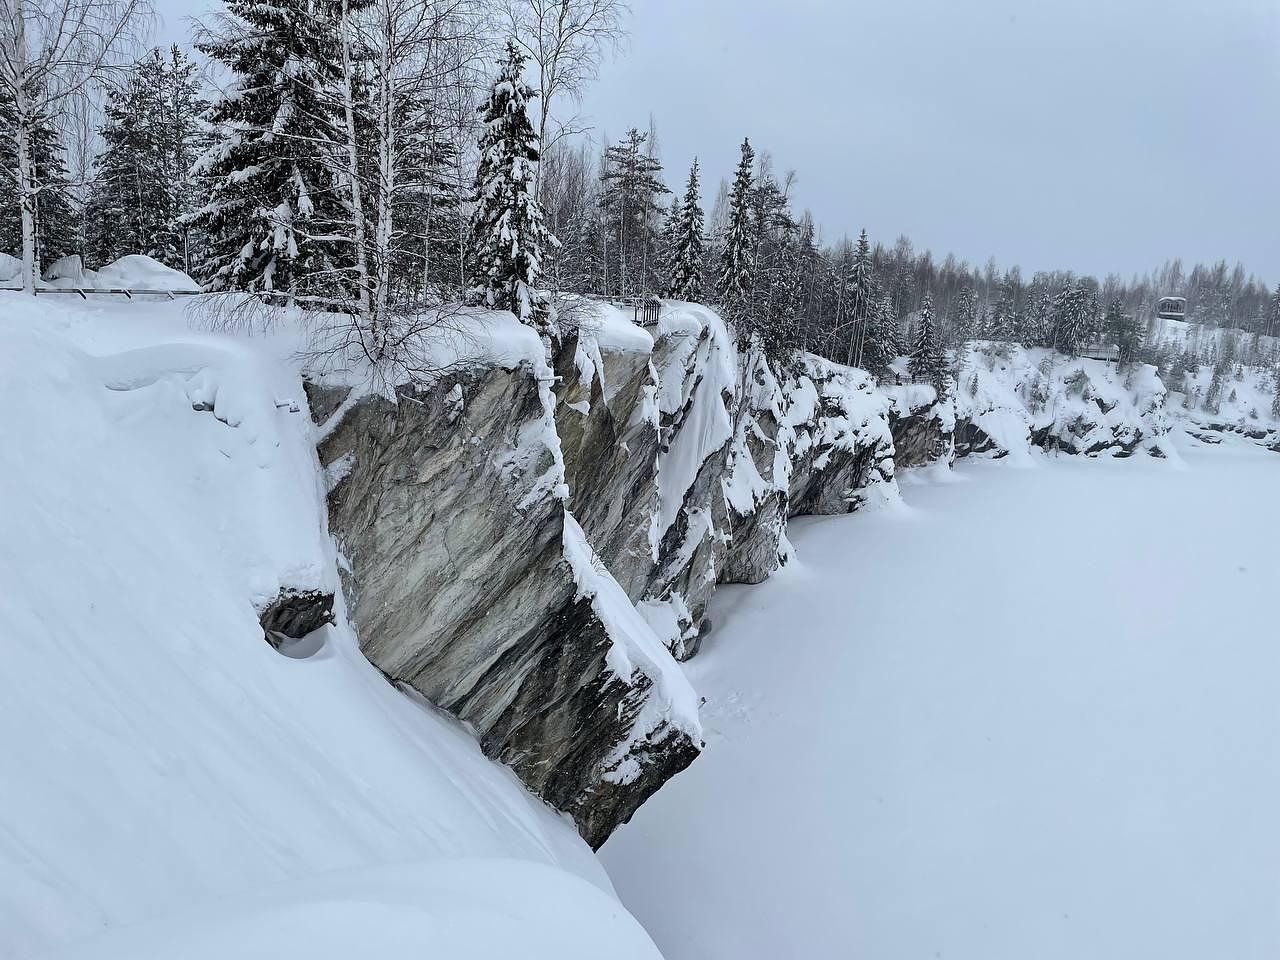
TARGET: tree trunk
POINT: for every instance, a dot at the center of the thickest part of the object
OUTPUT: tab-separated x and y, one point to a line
367	320
26	172
383	233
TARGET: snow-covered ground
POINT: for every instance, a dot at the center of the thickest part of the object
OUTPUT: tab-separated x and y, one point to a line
171	782
1031	714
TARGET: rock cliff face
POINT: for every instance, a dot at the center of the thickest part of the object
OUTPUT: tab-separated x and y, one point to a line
531	545
469	582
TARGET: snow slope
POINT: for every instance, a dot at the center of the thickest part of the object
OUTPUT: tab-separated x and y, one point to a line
1031	715
160	757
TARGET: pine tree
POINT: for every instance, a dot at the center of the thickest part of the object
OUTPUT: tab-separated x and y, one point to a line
927	362
1124	330
686	275
881	347
507	230
863	301
632	188
55	217
428	200
736	280
142	191
272	200
1071	317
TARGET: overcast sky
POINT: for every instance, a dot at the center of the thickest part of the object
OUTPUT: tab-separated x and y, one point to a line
1092	135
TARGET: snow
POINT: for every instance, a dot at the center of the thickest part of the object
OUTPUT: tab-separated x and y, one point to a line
162	757
1030	714
1007	391
133	272
444	909
635	646
695	379
603	328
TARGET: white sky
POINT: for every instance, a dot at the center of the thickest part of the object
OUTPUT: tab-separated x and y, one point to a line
1093	135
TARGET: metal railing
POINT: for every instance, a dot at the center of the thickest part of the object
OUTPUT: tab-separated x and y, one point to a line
129	292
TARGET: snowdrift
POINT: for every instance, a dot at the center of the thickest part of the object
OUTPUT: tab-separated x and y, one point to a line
162	756
132	272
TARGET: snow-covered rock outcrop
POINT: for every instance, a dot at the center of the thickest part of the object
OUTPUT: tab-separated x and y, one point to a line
1009	398
1006	400
714	454
1243	405
472	584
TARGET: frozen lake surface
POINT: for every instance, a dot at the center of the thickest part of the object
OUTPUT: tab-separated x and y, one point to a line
1035	713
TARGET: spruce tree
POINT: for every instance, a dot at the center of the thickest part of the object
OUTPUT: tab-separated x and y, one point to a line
1273	314
142	188
272	200
881	347
507	229
55	216
686	275
667	243
1071	317
735	282
862	299
1124	330
928	363
964	324
1004	318
428	202
631	200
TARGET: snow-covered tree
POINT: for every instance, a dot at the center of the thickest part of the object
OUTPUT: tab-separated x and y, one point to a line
1004	312
507	229
631	198
1124	330
735	281
881	346
860	301
1072	317
686	267
53	217
142	189
928	362
964	318
54	54
272	201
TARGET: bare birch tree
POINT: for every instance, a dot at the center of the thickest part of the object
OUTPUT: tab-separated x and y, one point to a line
53	53
565	40
406	66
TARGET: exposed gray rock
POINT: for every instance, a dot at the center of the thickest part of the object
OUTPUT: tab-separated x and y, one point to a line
606	416
971	440
757	479
699	389
450	514
842	452
918	439
295	613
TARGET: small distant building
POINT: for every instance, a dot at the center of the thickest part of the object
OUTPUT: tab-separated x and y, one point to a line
1172	308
